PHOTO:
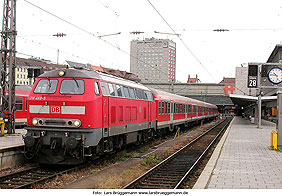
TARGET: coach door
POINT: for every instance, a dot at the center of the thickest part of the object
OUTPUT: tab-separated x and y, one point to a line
171	111
150	111
105	115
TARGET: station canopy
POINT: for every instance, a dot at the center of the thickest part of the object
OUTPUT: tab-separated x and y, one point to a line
245	100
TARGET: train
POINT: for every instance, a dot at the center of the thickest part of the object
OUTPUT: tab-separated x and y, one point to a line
79	114
21	95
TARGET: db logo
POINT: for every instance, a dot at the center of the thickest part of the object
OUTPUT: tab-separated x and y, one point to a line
56	109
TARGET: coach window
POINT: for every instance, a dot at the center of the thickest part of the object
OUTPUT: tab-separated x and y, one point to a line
189	108
19	103
111	90
160	107
26	104
126	92
96	88
165	107
168	107
119	93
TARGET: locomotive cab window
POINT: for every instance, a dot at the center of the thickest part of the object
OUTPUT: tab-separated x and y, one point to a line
46	86
72	86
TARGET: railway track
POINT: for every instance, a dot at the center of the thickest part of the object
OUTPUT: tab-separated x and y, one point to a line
173	172
32	176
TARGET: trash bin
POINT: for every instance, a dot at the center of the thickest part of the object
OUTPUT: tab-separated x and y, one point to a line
253	120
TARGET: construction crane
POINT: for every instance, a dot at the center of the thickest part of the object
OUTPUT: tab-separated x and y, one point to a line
8	65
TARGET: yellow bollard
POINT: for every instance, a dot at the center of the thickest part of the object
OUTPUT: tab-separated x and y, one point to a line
2	126
271	138
275	140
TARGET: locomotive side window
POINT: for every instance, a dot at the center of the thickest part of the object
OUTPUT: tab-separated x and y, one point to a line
72	86
19	103
96	88
47	86
111	90
119	92
126	92
104	88
132	93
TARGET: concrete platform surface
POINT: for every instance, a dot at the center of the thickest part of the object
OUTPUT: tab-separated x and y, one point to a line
244	160
12	140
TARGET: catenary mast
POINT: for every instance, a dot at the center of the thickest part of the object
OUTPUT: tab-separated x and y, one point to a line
8	64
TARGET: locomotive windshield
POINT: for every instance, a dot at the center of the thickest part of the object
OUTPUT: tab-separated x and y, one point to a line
47	86
72	86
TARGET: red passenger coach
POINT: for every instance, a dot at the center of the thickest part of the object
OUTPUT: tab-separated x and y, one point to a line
21	95
173	110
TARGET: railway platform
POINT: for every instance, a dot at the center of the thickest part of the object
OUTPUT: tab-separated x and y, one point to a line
11	140
11	149
243	159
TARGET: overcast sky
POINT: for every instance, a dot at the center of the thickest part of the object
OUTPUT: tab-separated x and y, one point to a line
255	28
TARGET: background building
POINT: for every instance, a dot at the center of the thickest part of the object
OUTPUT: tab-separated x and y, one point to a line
27	70
153	60
229	85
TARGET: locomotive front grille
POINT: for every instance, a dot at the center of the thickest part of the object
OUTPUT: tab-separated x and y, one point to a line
55	122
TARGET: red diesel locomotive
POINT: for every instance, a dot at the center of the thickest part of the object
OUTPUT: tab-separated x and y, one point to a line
77	113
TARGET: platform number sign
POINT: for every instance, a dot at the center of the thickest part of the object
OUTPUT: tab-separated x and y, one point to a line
252	76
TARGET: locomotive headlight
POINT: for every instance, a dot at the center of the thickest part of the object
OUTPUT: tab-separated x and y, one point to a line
76	123
34	121
61	73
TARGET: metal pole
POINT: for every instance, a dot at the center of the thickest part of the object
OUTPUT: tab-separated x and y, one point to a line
259	96
279	118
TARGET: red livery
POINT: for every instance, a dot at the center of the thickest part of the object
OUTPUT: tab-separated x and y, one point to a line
76	113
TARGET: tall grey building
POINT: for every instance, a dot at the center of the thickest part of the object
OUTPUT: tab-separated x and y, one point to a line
153	60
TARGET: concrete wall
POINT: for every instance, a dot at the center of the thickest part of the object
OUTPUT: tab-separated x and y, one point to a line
11	157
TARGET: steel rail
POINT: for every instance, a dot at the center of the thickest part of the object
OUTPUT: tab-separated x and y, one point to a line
180	183
43	177
164	162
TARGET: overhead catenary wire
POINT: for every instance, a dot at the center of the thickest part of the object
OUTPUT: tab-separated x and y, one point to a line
90	33
185	45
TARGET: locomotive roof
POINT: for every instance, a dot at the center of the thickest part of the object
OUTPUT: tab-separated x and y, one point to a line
71	73
166	95
122	81
83	73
